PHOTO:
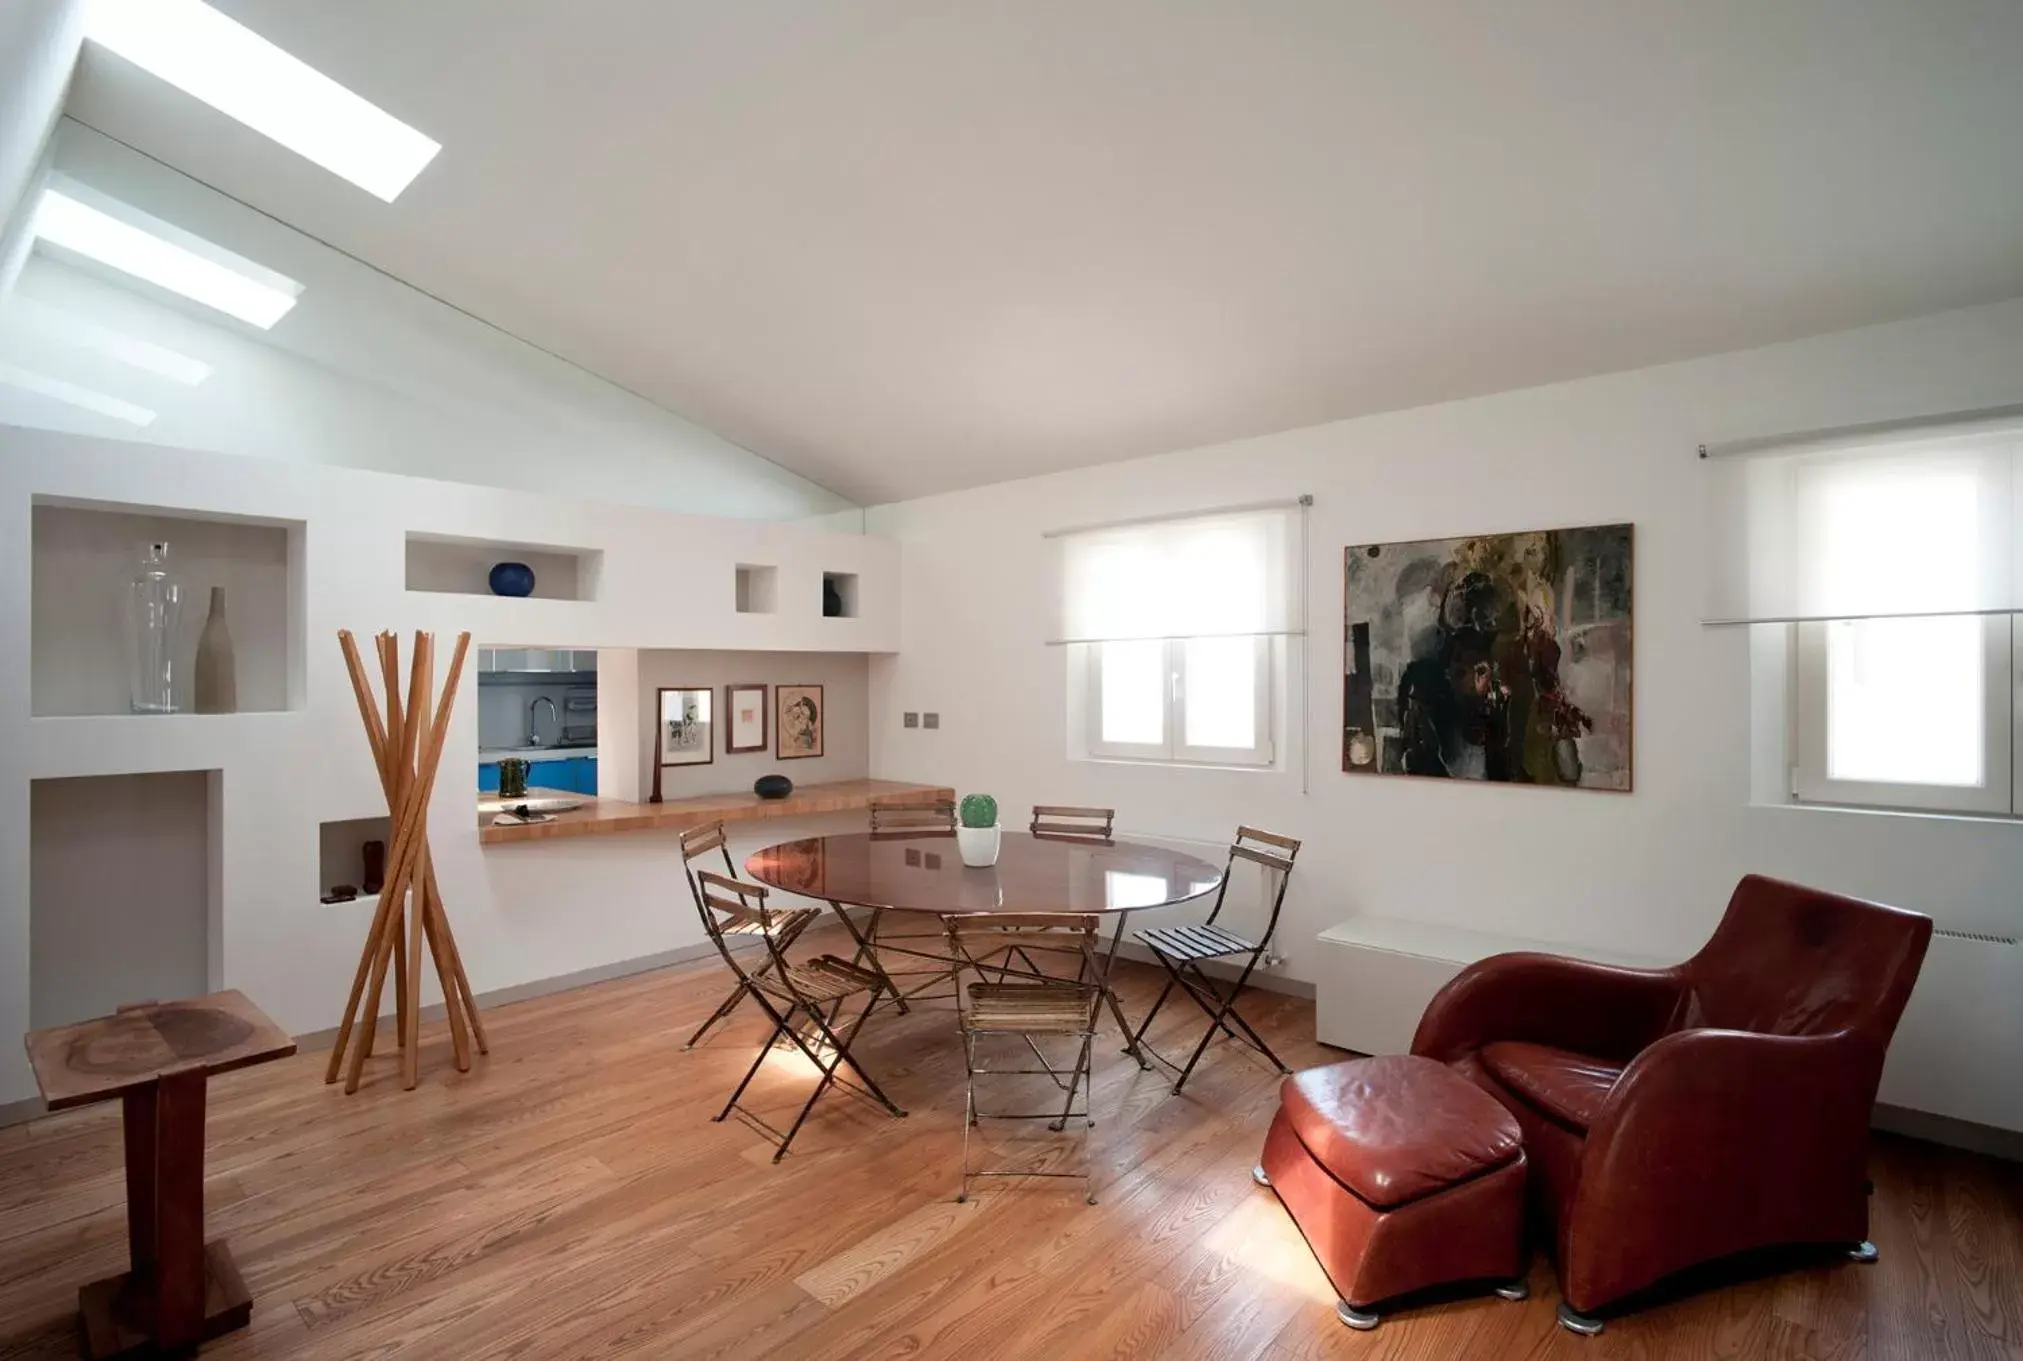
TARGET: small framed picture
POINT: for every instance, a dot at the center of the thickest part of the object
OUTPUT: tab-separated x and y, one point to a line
745	718
798	723
683	732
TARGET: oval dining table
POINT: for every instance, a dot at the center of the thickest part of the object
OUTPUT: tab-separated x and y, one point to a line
920	875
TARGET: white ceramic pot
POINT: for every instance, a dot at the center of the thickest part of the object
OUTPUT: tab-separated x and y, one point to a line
979	845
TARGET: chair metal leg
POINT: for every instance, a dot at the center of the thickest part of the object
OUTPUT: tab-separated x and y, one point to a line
1257	1175
1571	1319
968	1108
780	1027
1519	1289
1132	1041
1863	1252
724	1008
867	953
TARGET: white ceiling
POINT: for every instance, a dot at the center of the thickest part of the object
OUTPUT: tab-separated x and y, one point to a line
902	246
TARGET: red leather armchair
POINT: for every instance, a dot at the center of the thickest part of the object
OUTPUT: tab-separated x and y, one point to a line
1678	1115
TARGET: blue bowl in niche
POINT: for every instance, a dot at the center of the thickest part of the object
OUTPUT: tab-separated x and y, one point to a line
773	787
512	578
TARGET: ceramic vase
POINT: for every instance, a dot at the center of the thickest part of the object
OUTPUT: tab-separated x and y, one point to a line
217	673
512	578
979	846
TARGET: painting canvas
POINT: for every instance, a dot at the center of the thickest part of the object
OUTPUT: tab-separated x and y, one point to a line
746	716
684	729
1503	657
798	721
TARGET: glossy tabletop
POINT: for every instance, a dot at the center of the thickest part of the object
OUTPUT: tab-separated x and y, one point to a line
921	872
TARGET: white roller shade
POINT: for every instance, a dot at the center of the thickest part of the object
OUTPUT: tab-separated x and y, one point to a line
1908	523
1211	576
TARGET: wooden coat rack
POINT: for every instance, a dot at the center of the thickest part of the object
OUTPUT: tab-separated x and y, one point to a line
407	747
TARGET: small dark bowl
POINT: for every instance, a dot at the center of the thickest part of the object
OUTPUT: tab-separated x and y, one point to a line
512	578
773	786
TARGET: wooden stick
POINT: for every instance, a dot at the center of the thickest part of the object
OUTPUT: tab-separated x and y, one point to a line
376	733
419	691
394	889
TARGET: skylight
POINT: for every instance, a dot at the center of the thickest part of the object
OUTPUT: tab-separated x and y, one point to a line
74	395
132	249
236	71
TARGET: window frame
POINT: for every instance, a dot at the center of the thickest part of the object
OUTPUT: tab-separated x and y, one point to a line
1174	750
2002	734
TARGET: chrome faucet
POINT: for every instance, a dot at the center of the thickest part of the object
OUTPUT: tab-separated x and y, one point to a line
533	720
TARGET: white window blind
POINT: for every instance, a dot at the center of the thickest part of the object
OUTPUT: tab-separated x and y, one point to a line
1227	575
1909	523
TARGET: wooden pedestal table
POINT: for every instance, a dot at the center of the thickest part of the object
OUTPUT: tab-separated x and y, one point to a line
156	1057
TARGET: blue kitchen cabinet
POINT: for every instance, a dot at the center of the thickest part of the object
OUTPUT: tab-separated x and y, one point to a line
488	777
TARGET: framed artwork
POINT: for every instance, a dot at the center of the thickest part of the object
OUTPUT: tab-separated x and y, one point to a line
744	718
798	721
681	730
1503	657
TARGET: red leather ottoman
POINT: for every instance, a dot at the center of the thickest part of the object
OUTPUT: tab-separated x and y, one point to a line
1402	1174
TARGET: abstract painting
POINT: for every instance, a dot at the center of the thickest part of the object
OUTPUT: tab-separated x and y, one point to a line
1503	657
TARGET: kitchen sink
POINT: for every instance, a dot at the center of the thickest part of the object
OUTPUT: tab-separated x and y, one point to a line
538	804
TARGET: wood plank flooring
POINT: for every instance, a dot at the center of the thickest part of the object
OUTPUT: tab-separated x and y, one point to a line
571	1198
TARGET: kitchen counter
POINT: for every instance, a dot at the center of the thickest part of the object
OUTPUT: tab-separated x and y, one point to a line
605	817
531	754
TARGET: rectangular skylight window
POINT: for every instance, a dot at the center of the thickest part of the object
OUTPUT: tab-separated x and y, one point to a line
74	395
65	221
236	71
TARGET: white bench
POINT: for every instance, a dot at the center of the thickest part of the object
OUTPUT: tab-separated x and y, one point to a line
1376	975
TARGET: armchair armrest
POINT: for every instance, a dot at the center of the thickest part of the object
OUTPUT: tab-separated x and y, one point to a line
1715	1142
1597	1009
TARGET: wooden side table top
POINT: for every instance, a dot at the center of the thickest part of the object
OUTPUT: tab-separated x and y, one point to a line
98	1059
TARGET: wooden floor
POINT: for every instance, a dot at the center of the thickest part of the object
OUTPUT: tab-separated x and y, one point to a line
571	1198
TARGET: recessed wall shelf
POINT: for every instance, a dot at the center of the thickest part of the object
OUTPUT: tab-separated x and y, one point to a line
842	586
341	852
84	554
758	589
123	893
447	564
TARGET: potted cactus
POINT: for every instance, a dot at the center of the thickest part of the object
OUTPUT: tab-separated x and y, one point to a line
979	837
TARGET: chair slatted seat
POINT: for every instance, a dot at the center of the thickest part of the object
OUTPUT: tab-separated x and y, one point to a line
1196	942
1183	949
1020	1008
824	978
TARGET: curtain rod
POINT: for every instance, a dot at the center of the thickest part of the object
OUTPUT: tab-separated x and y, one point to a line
1841	433
1299	502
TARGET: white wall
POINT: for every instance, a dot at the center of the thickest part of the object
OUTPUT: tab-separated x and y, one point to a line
522	913
363	372
38	48
1646	873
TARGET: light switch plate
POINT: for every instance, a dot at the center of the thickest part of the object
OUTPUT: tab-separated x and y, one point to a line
910	719
930	720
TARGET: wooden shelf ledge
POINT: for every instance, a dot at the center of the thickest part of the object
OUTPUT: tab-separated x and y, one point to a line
608	817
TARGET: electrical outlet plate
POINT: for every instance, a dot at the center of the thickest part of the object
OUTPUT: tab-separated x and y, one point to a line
910	719
930	720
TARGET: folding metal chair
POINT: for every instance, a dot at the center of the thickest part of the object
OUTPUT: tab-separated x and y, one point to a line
789	923
1031	1009
1063	821
911	814
1183	950
810	994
